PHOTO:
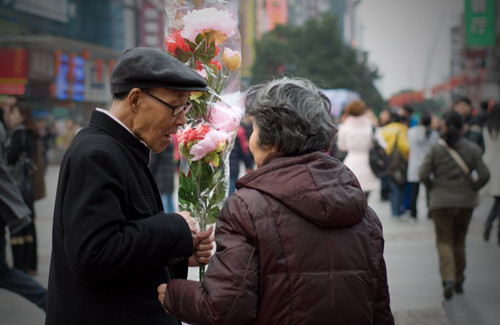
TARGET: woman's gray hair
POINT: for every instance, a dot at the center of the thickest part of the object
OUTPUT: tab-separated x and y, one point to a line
293	116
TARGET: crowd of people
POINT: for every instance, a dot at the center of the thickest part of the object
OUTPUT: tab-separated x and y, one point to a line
450	156
120	244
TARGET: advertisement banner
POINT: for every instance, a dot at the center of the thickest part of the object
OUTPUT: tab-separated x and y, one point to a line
277	12
13	66
57	10
480	23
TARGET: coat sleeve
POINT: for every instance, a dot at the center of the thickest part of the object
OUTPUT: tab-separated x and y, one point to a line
103	243
229	291
382	314
426	168
483	174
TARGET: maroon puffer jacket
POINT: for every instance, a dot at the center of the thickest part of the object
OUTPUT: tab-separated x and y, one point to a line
296	244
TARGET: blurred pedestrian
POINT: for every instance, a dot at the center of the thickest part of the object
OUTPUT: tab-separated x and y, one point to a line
384	118
296	243
14	214
22	150
240	153
47	138
420	139
472	127
491	159
355	137
112	244
163	167
395	135
447	172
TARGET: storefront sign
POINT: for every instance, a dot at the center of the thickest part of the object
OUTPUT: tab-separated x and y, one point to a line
480	23
70	78
41	65
13	66
13	71
50	9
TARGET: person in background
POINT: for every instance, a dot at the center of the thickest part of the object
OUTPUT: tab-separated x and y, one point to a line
23	142
355	137
420	139
452	197
472	128
163	169
279	260
14	215
396	130
491	137
240	153
112	243
384	118
47	138
482	115
407	111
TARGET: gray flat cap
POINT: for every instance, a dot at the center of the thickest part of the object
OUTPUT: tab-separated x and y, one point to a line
145	67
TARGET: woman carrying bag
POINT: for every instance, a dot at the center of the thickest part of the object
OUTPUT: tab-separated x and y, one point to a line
21	153
447	171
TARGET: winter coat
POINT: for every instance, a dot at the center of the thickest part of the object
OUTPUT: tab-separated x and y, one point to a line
355	137
112	243
296	244
12	205
419	143
392	131
449	186
491	159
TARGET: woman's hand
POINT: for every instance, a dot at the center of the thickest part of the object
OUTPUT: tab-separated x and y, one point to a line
203	245
162	290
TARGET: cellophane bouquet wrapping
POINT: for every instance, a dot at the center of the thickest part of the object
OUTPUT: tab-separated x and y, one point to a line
206	38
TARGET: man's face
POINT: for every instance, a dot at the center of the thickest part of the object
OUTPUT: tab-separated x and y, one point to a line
462	108
155	123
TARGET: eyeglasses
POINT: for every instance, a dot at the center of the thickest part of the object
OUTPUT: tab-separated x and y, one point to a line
177	110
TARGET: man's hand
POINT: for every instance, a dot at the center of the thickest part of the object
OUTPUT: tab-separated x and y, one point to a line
203	245
190	221
162	290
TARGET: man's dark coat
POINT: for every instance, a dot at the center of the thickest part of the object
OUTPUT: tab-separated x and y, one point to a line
112	245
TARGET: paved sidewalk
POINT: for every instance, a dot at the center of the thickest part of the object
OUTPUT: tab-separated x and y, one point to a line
411	258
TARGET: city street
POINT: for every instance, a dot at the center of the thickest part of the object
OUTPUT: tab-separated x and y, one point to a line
411	258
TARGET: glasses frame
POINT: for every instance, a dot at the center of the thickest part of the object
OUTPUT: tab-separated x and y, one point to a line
176	110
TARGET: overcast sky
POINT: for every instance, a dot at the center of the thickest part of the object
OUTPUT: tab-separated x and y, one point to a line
405	38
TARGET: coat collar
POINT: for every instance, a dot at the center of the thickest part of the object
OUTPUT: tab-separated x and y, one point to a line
107	124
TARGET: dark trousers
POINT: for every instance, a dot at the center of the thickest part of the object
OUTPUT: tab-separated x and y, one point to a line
18	281
451	225
384	188
494	213
396	198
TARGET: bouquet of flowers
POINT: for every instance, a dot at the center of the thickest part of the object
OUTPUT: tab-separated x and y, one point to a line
207	40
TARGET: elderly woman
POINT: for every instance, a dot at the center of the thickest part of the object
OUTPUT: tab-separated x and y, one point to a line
297	243
447	172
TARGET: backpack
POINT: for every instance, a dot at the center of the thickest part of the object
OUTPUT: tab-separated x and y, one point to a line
398	165
377	157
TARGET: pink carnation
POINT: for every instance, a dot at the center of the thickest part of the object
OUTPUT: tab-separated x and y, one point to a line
225	118
218	23
212	141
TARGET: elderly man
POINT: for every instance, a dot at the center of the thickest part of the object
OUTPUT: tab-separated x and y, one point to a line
112	243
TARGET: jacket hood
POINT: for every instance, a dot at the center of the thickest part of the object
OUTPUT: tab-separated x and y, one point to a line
315	186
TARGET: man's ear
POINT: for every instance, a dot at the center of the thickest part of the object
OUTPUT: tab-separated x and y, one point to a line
134	99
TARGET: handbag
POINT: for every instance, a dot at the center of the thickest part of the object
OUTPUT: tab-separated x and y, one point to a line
398	164
22	172
377	157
